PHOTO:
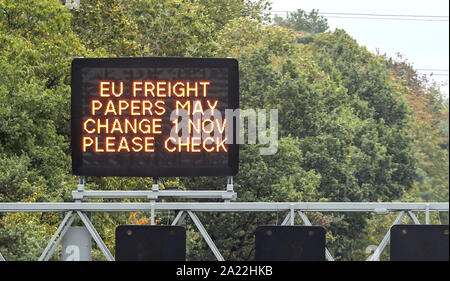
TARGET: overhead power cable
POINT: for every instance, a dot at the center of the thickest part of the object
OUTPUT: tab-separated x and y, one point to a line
384	15
438	74
377	16
432	69
387	18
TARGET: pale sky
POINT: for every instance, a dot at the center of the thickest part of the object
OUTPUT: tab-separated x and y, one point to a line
424	43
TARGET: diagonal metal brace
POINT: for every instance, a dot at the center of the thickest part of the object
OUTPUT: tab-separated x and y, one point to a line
286	219
179	218
61	231
206	236
305	219
413	217
90	227
376	255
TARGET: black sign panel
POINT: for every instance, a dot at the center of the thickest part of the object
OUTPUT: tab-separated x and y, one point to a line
150	243
127	115
290	243
419	243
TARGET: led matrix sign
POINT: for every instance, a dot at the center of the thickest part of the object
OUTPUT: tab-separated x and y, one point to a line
154	117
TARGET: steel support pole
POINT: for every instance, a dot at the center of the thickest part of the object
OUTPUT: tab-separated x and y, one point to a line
206	236
305	219
52	240
427	213
152	213
413	217
230	189
90	227
155	189
292	218
1	257
377	253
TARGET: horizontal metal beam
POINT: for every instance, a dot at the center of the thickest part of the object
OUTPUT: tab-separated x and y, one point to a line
223	206
154	195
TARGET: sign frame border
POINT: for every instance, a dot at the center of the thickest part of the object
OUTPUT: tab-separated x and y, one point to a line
167	62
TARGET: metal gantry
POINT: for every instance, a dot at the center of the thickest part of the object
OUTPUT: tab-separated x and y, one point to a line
184	209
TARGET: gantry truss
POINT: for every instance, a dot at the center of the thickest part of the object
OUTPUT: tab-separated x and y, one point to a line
184	209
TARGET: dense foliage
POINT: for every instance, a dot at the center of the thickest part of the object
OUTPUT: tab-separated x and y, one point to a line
353	126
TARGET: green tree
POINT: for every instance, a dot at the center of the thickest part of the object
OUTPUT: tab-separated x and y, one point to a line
308	25
429	130
158	28
36	49
303	22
